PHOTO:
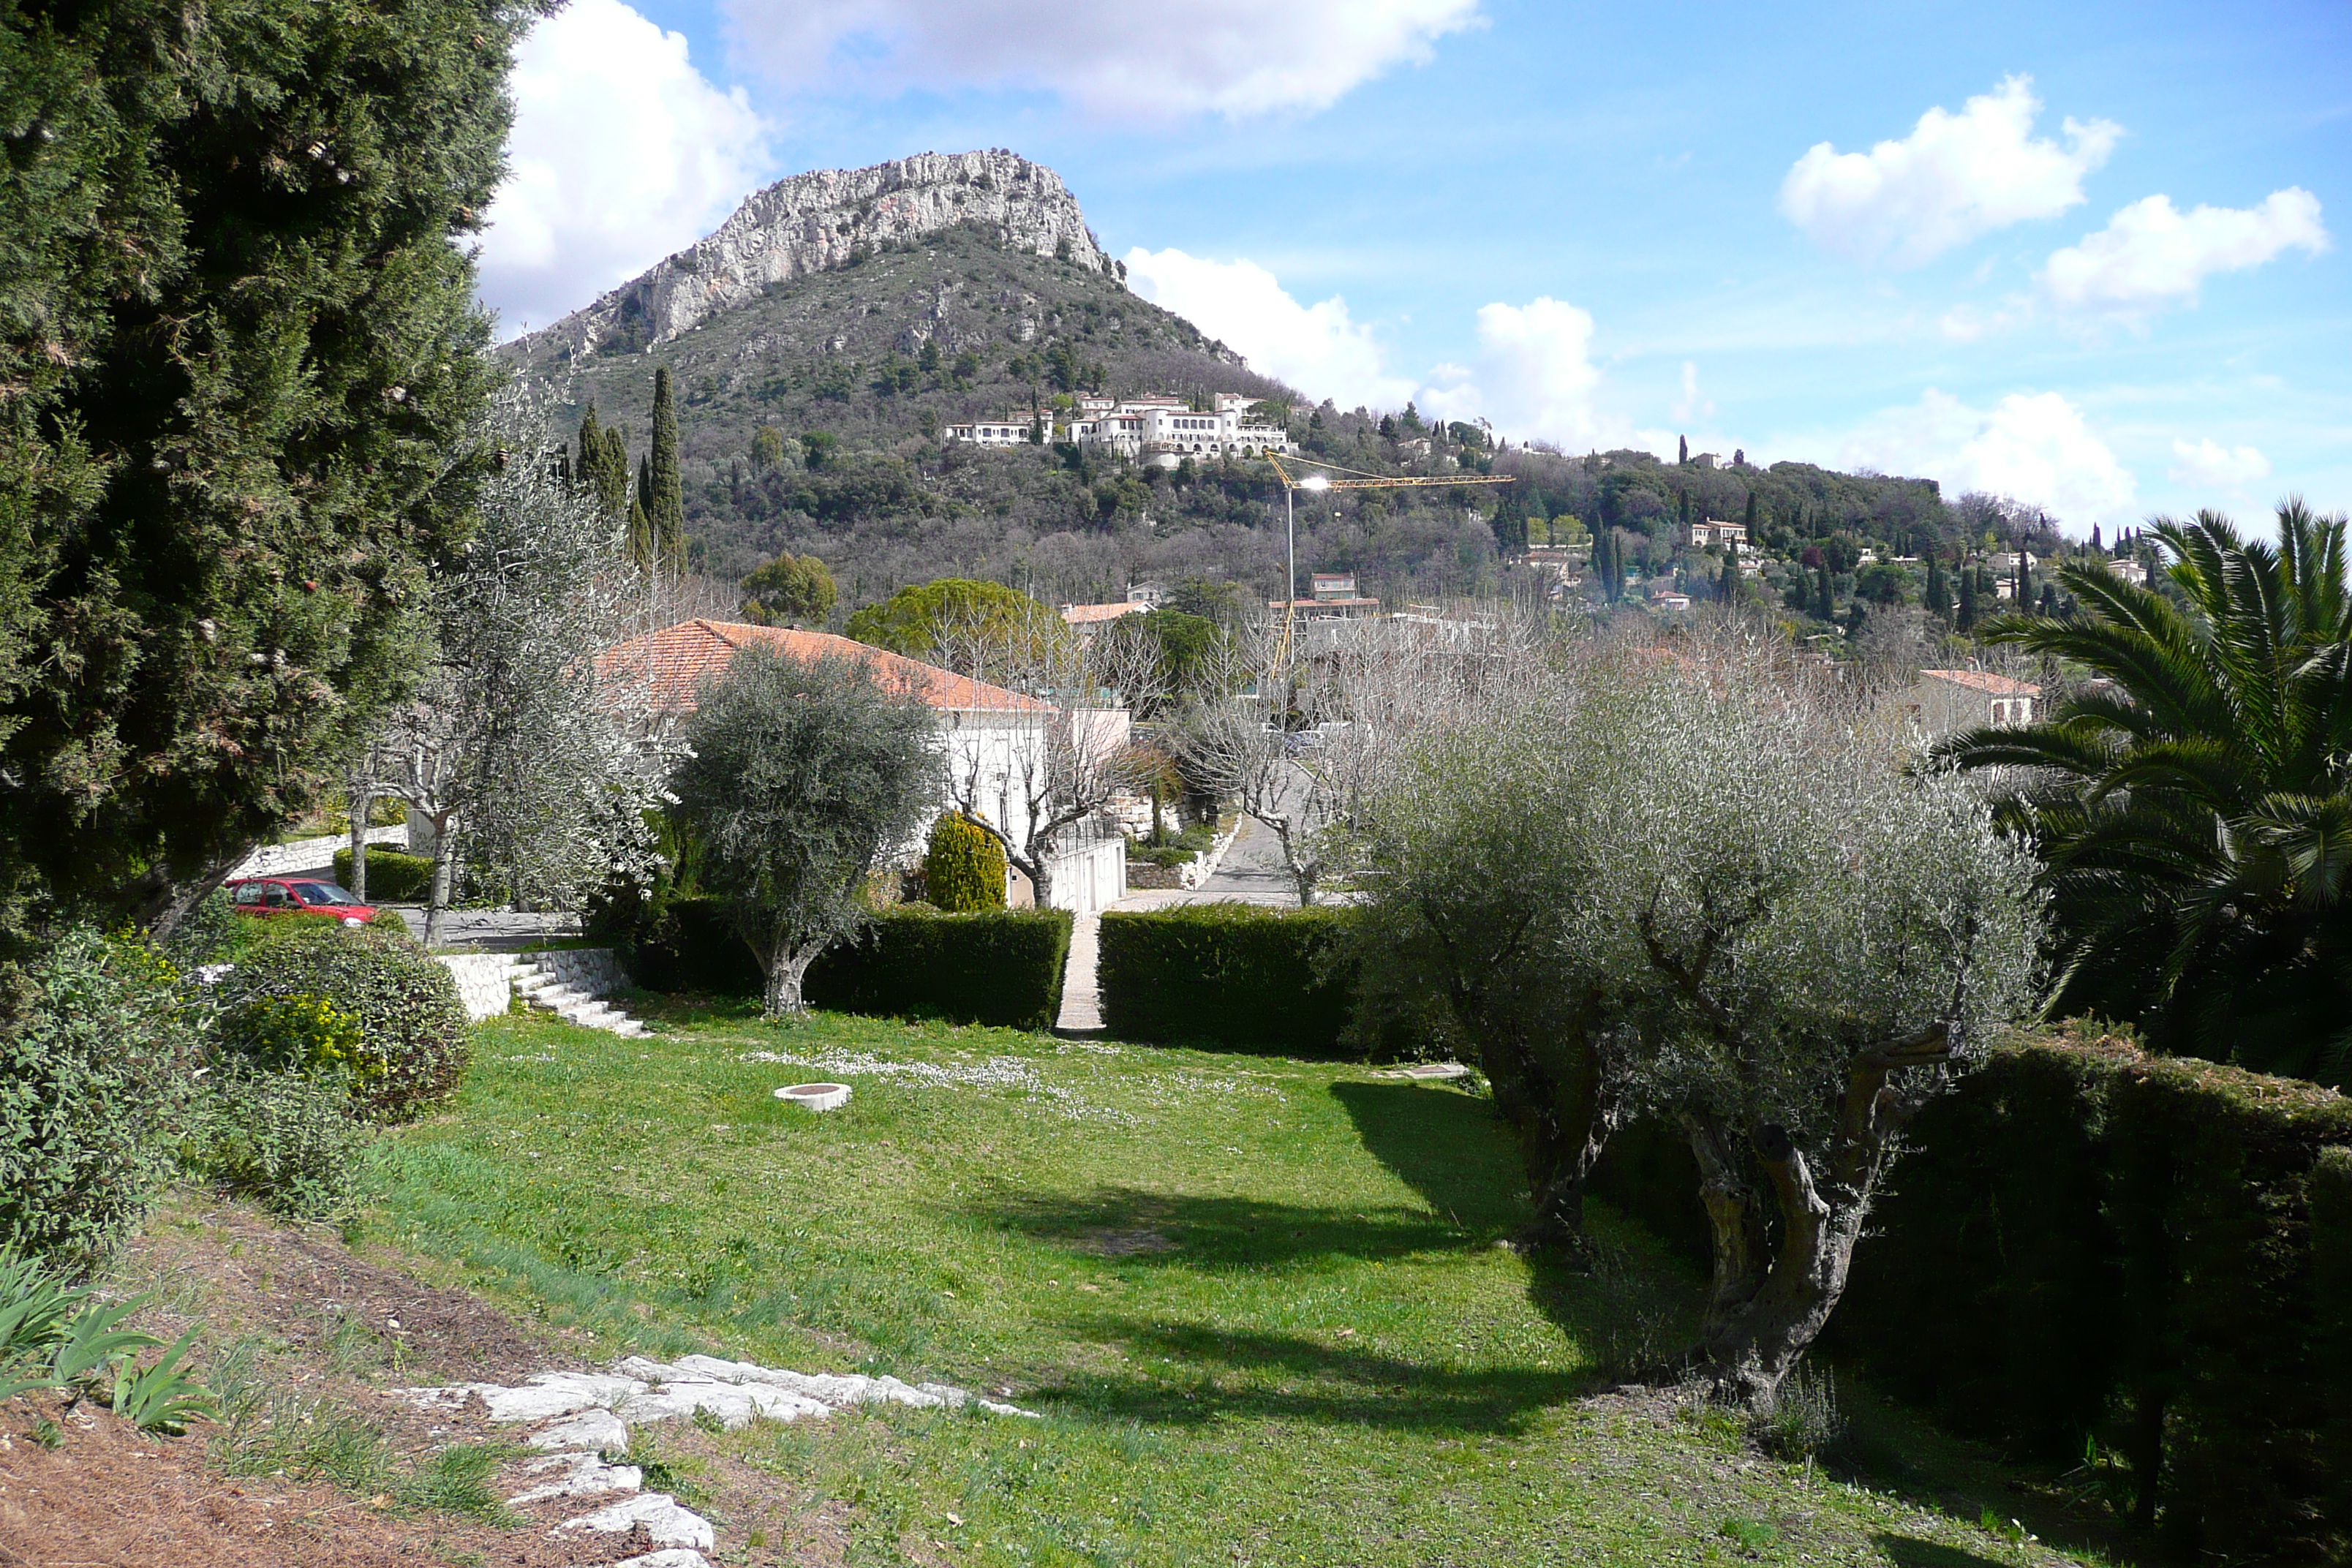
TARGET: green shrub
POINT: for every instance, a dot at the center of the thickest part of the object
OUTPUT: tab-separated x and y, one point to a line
1229	975
2091	1250
95	1069
682	942
393	877
414	1044
998	966
209	933
286	1139
964	869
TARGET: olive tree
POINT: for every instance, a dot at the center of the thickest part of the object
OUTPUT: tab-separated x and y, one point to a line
529	766
801	778
1476	861
1758	922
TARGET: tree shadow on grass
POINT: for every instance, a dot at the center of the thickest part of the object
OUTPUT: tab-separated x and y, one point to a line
1631	1307
1217	1233
1226	1374
1906	1552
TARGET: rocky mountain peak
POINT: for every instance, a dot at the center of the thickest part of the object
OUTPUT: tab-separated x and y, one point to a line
825	218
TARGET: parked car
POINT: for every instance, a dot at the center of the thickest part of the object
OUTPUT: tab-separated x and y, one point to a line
299	896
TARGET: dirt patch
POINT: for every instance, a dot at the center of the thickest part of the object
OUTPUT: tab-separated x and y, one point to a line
241	1273
110	1495
326	1334
1123	1243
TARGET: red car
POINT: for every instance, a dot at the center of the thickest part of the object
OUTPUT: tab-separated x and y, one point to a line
299	896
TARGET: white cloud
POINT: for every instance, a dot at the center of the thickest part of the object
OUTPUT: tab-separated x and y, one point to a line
1954	178
622	152
1316	347
2151	254
2210	465
1533	376
1692	406
2034	446
1233	57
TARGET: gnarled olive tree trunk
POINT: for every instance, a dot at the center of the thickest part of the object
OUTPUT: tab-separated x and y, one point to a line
1771	1296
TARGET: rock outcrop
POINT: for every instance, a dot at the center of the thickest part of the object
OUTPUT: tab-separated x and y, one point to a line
814	221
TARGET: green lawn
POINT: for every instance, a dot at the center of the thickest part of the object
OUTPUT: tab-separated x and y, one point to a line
1261	1302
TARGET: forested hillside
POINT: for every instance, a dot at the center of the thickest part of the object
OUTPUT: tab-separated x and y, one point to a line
811	416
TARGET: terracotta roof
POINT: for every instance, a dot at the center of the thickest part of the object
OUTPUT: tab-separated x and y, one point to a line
1089	614
1981	681
678	659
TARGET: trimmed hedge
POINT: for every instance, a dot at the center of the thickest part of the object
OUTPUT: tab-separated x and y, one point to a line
994	967
393	877
413	1040
2088	1244
1230	974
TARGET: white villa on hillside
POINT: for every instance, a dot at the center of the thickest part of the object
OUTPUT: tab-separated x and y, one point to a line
1713	530
1159	430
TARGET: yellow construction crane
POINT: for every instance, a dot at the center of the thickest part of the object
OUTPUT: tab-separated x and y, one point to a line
1361	481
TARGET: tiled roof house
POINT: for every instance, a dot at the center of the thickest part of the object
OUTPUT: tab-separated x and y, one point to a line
678	659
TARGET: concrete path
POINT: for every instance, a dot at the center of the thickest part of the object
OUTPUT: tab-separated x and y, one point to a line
1081	992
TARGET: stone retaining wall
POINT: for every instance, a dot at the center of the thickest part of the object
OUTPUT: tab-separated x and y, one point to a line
594	969
309	854
485	981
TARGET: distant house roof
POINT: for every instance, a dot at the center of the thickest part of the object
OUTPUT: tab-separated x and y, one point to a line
677	659
1984	682
1094	614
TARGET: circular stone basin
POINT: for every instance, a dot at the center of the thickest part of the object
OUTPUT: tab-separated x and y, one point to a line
815	1096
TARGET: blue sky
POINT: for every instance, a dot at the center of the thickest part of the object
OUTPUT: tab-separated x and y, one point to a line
2086	255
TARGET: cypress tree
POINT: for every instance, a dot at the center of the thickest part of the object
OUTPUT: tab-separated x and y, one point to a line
1748	521
1683	445
665	489
1729	582
1939	591
1824	596
2025	584
2095	538
243	367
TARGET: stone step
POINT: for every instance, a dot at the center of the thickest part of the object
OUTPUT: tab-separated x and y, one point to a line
574	1003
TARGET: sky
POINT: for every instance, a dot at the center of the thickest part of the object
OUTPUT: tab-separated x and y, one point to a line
2092	257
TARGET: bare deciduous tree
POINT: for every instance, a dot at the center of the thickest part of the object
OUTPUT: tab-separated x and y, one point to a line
1035	772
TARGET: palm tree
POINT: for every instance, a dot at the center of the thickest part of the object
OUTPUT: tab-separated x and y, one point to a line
2193	804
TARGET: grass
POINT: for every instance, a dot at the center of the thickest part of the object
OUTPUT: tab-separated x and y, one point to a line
1261	1304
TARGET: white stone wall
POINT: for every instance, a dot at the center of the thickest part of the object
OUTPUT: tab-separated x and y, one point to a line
307	854
485	981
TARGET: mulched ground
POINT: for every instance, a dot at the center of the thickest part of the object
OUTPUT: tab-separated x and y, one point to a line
103	1494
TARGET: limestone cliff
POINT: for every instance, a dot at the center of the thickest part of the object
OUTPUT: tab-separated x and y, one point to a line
814	221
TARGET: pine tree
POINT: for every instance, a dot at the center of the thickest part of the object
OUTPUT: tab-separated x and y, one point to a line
665	489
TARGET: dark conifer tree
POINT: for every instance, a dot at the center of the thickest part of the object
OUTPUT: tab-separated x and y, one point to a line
1824	596
665	487
242	363
2024	600
1683	445
1969	608
1939	591
2095	538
